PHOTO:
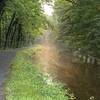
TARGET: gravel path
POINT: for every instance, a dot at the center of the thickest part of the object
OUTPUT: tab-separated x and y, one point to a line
5	59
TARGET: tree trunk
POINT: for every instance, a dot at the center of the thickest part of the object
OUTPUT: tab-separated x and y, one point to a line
95	61
14	32
18	38
9	29
2	5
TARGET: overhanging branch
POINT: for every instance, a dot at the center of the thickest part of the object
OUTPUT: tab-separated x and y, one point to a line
71	1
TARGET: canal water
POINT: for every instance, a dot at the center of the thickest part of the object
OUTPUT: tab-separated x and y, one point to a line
82	79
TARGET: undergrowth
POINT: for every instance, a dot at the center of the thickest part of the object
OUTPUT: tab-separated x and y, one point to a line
25	82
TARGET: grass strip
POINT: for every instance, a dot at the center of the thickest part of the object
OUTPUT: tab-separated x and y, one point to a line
25	82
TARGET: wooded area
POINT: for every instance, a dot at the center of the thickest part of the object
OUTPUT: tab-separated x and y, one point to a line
61	60
20	22
79	25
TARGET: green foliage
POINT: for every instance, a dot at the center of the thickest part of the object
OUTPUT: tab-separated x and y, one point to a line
79	20
20	22
27	83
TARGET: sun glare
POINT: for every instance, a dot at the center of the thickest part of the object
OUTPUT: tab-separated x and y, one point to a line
48	9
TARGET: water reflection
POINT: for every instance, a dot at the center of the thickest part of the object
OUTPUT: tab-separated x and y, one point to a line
83	79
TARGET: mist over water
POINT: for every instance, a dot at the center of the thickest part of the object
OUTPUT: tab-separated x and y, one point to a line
83	79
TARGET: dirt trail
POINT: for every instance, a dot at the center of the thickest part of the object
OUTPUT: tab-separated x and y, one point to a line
5	59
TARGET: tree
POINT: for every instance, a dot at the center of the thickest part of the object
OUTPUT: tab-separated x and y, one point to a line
20	23
79	21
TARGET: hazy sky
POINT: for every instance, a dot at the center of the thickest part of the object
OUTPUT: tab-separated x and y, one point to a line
48	10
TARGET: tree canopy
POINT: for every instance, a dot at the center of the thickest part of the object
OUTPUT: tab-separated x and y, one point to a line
20	22
79	22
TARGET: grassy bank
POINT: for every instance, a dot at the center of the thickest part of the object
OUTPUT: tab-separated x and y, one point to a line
25	82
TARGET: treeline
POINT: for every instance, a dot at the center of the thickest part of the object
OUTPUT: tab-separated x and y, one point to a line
20	22
79	25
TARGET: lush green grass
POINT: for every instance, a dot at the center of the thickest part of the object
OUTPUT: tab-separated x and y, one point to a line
25	82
